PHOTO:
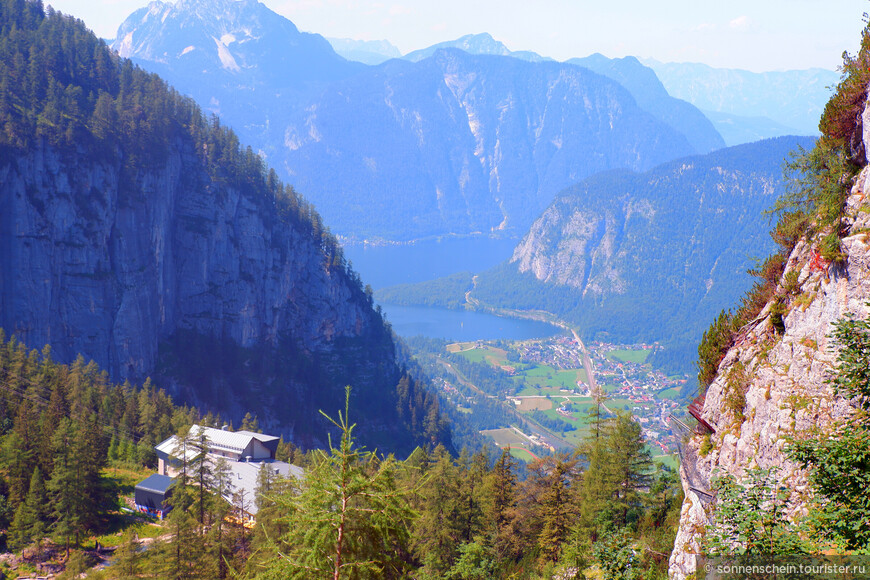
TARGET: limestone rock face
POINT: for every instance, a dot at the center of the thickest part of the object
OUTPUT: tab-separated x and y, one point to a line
96	261
784	380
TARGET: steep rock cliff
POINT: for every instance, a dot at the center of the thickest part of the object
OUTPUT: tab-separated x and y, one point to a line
136	232
783	379
118	266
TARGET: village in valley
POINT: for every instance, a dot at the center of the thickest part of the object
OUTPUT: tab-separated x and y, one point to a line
543	383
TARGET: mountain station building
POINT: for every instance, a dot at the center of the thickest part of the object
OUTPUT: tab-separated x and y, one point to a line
246	453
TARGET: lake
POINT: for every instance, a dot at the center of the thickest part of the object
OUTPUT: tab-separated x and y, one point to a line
463	325
382	266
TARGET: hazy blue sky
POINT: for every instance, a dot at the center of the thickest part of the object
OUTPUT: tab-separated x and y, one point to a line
757	35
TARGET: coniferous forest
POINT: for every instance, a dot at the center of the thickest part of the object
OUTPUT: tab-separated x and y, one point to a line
69	436
74	441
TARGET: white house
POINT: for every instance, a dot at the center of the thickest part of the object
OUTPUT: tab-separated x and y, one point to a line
245	452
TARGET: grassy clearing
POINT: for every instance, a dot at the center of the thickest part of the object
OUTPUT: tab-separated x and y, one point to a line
620	404
505	437
548	377
673	393
581	410
495	356
671	461
522	454
474	355
554	414
539	391
610	387
128	522
462	346
632	356
541	403
126	477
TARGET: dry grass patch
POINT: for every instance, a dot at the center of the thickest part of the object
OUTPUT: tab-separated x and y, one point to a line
539	403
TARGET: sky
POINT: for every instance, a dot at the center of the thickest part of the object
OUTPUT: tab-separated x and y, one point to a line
757	35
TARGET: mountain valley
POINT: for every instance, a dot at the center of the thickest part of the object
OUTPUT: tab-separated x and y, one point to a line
467	312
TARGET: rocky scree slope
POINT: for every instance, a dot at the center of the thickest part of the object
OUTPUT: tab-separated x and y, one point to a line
782	378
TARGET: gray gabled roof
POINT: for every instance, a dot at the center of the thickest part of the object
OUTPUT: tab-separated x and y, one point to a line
244	476
156	483
233	441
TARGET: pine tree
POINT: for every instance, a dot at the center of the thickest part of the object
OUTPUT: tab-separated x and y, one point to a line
555	514
69	505
218	540
182	557
250	423
472	496
632	466
127	562
265	479
30	518
503	486
438	531
350	520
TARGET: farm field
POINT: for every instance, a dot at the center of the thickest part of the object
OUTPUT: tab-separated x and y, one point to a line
535	403
506	437
523	454
671	460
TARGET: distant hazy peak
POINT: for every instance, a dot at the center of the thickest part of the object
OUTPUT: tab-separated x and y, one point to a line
653	63
365	51
482	43
226	21
793	98
384	46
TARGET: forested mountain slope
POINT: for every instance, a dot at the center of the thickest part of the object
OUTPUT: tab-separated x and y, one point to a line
648	256
139	233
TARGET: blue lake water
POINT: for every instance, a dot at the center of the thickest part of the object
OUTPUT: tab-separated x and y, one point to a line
463	325
382	266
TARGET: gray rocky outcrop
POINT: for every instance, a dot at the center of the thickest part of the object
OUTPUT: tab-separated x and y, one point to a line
96	261
784	380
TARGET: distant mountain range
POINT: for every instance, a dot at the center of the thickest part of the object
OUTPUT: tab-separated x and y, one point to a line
651	96
460	143
742	105
236	58
454	143
482	43
793	99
